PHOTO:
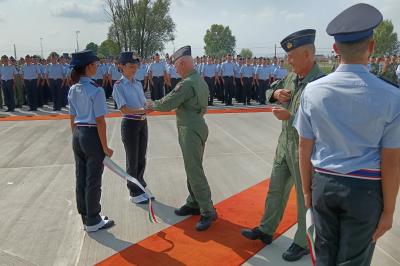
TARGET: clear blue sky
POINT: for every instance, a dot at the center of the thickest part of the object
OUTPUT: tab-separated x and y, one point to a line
257	24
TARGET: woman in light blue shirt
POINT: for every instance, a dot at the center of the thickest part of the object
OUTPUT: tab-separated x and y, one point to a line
130	99
88	107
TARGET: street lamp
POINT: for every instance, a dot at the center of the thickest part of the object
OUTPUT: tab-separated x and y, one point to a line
41	47
77	43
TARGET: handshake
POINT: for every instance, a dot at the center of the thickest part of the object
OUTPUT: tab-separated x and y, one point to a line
149	107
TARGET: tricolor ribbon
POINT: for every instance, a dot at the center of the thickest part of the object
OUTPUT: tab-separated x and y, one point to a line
116	169
310	230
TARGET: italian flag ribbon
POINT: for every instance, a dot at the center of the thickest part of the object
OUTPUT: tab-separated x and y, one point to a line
116	169
310	231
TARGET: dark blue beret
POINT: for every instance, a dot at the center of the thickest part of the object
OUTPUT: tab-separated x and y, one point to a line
355	23
181	52
128	57
297	39
83	58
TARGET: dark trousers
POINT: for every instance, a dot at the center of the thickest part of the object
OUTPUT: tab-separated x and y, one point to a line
134	137
56	93
219	90
229	90
158	88
262	89
239	90
89	157
346	214
247	89
211	87
174	81
8	92
33	93
64	99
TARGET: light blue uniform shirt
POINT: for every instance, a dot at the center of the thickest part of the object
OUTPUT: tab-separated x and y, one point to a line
351	115
247	71
141	73
87	101
100	72
172	72
55	71
129	93
237	70
157	69
209	70
280	72
7	72
114	72
30	71
228	69
264	72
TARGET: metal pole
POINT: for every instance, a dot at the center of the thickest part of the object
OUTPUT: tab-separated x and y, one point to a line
77	42
275	49
41	47
15	52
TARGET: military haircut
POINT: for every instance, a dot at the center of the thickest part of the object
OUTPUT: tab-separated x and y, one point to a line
351	51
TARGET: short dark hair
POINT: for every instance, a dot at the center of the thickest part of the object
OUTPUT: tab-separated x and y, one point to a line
353	50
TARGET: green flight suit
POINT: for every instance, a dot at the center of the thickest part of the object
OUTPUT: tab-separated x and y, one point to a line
390	74
19	89
375	68
285	170
190	99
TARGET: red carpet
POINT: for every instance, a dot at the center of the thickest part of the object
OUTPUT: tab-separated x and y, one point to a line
222	244
117	114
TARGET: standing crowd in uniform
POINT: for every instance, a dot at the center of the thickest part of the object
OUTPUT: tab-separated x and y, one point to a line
36	82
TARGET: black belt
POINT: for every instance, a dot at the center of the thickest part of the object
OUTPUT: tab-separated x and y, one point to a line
85	125
135	117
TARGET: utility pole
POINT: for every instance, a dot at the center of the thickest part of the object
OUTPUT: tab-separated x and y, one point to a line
15	52
41	47
77	42
275	49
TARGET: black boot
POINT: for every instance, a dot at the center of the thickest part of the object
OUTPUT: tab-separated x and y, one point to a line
186	210
206	221
294	253
255	233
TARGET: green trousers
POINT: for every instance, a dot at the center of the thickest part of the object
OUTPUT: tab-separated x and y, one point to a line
285	173
19	92
192	145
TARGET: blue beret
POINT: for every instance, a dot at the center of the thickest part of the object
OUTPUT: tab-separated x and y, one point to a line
83	58
128	57
297	39
181	52
355	23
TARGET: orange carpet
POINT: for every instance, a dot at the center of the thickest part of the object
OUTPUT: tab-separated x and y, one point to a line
222	244
117	114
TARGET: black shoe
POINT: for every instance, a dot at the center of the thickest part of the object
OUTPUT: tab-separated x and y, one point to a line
206	221
255	233
294	253
186	210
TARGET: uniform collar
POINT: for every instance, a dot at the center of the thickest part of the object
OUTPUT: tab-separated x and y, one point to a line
314	73
358	68
85	80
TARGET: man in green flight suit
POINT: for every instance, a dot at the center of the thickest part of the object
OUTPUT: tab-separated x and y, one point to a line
190	99
285	172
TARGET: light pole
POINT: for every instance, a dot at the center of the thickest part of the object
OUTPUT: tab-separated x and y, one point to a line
41	47
77	43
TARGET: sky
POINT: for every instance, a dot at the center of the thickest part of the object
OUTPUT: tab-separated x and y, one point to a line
256	24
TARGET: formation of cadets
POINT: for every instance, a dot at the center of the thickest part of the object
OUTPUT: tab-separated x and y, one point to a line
35	82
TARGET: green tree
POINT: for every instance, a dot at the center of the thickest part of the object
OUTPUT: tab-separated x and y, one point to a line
108	48
92	46
246	53
219	41
143	26
386	41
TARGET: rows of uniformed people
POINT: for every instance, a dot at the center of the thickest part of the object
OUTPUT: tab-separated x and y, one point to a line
387	67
